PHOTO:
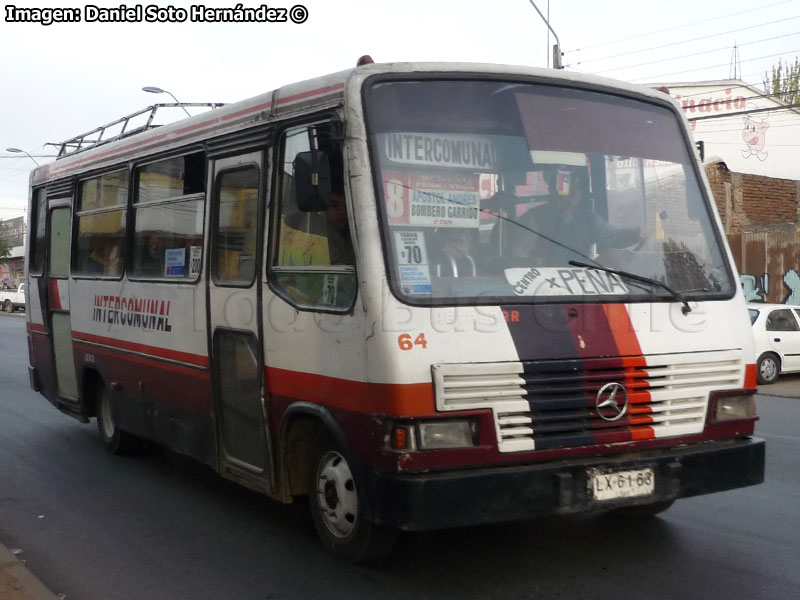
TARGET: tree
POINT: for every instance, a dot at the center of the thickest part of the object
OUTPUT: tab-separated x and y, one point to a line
784	82
5	250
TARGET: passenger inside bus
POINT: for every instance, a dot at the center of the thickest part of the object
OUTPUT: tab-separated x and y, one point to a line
451	252
103	258
340	245
152	257
567	226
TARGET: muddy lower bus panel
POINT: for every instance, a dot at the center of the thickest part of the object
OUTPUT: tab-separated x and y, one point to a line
423	295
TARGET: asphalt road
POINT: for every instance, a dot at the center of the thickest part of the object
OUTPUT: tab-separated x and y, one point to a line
157	526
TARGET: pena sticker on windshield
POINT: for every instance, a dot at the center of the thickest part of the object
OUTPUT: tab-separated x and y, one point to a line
567	281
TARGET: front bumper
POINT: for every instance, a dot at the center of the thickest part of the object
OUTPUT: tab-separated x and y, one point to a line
423	501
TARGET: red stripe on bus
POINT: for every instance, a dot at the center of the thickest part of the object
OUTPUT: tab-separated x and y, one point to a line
142	360
156	351
36	327
317	92
244	111
411	399
201	125
55	297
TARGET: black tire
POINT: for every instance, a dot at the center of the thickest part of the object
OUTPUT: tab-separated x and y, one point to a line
337	509
114	439
768	368
8	307
643	511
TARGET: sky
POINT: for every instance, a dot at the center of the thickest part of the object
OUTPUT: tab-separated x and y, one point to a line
62	79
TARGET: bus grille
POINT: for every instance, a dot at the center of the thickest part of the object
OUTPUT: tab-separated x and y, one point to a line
551	404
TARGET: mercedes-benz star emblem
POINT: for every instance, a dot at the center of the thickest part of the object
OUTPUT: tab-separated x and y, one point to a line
611	401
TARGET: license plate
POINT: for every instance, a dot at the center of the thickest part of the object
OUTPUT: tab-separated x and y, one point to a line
621	484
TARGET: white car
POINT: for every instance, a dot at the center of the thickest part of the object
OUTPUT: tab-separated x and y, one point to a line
776	332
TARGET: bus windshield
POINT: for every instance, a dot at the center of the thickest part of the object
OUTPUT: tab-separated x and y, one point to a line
491	191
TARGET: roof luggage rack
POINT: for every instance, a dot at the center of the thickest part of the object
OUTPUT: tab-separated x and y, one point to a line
85	141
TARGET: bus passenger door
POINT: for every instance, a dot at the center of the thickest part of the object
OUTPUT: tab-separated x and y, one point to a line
57	303
234	279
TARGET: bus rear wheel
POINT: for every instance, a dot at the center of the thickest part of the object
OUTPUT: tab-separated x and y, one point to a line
114	439
338	510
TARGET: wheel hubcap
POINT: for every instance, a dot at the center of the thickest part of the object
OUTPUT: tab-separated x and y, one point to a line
105	416
336	491
768	368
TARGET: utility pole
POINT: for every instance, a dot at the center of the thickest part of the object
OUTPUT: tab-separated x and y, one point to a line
557	46
734	62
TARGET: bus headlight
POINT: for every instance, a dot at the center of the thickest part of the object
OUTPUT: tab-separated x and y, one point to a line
729	408
446	434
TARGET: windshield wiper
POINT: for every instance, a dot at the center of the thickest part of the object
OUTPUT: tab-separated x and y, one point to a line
685	309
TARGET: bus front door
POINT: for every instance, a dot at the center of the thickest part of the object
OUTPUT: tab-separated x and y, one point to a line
234	279
57	304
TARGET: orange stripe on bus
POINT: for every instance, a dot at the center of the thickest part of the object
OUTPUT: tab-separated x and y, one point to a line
640	420
411	399
623	332
642	433
750	376
629	348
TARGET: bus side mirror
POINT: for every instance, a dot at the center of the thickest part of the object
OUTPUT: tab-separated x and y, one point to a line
312	181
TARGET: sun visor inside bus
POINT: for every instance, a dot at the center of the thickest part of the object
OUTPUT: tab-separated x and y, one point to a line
514	159
312	181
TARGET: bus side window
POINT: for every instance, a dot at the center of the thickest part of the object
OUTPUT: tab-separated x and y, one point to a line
168	203
102	207
38	231
314	261
236	226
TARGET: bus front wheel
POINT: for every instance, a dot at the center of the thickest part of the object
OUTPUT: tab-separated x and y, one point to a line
337	509
114	439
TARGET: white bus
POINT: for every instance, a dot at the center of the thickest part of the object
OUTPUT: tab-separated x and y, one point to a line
424	295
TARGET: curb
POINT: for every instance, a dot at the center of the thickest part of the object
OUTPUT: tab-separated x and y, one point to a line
18	583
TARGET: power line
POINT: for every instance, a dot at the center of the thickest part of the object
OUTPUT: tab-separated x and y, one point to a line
713	66
770	145
744	75
727	87
716	82
746	112
774	124
705	37
652	62
759	8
